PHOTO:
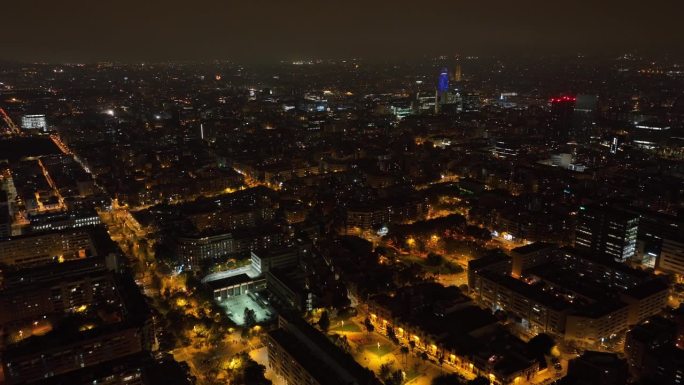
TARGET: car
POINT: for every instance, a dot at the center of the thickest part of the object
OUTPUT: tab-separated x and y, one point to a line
558	366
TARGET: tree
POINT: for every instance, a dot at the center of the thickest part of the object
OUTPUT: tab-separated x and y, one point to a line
244	370
385	371
324	321
434	259
412	343
404	352
453	268
479	381
424	356
540	346
396	378
250	318
342	342
369	326
391	335
254	373
448	379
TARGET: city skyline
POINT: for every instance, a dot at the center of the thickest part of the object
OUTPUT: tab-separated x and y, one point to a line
327	193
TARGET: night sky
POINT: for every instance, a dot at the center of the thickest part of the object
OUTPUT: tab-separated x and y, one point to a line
126	30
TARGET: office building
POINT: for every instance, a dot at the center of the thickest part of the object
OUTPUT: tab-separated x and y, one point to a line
471	101
562	113
671	258
426	101
34	122
584	116
606	231
401	109
645	338
665	365
504	149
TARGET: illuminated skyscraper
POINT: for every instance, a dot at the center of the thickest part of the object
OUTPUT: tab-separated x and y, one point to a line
443	83
442	88
458	75
607	232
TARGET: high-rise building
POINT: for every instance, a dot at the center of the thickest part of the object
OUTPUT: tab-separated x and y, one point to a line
584	116
425	101
401	108
471	102
442	89
505	149
34	122
443	82
458	74
562	112
607	232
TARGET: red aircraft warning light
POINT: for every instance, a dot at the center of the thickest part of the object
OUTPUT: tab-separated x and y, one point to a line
563	99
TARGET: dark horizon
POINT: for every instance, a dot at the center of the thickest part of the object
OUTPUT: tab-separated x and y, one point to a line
80	31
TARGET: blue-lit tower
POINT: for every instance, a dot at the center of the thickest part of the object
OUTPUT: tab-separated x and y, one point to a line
442	88
443	83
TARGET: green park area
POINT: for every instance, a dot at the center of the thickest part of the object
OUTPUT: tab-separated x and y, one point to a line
347	327
378	349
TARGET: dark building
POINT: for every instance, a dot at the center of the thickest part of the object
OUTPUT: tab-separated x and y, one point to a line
597	368
665	365
562	111
5	218
584	116
66	317
302	355
606	231
137	369
642	340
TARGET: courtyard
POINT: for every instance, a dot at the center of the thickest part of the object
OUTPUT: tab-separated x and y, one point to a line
235	308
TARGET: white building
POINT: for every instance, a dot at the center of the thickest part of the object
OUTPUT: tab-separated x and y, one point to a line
34	122
672	257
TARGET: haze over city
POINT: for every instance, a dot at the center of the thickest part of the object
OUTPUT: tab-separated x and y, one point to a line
86	31
341	193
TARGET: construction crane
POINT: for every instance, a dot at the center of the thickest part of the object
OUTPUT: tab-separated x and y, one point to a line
13	129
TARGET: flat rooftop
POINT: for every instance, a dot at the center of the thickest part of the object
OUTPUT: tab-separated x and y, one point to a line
248	270
533	247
